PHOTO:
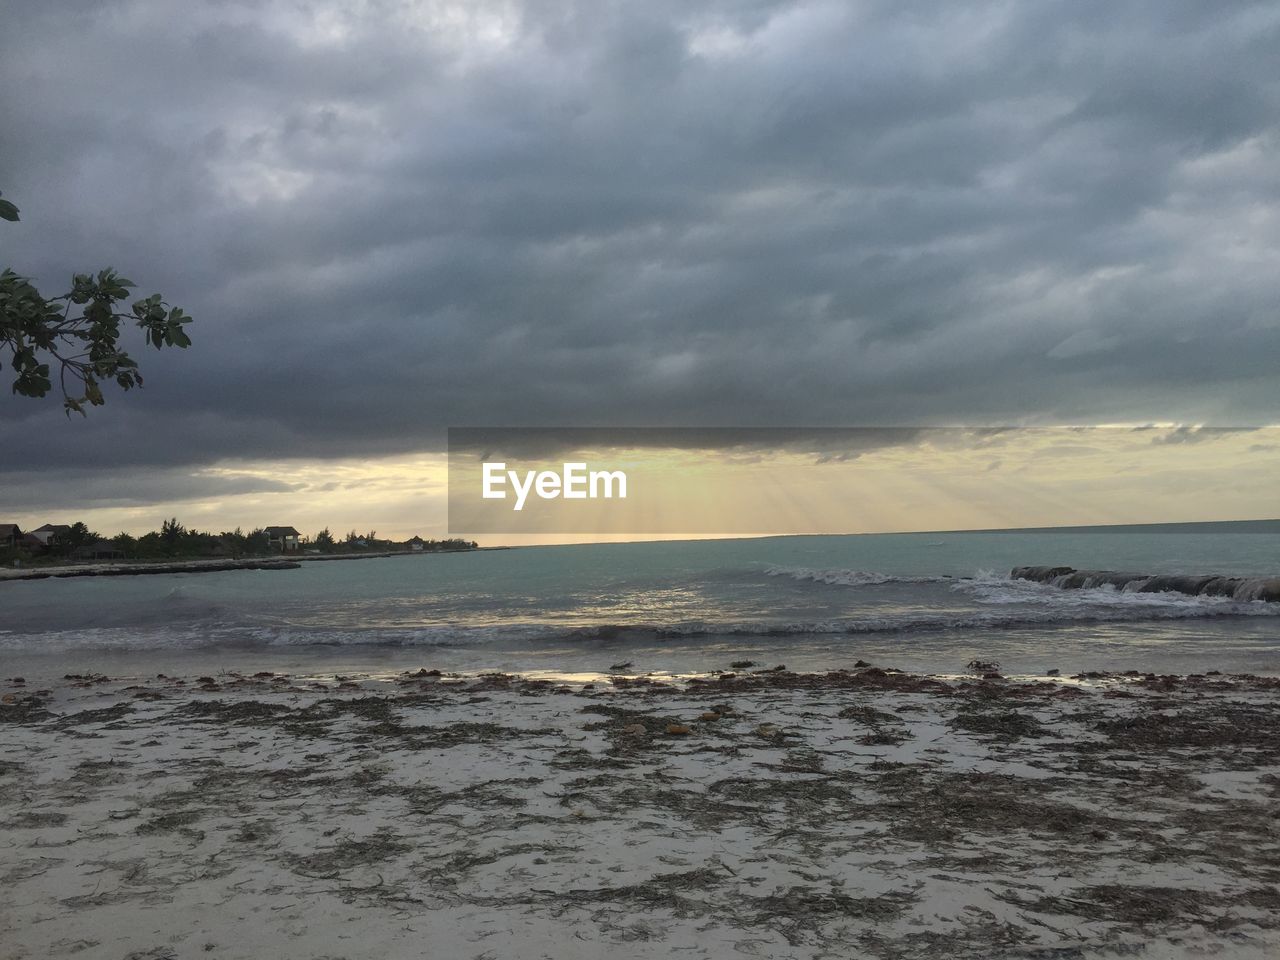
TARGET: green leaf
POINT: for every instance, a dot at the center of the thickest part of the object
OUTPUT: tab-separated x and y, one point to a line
8	211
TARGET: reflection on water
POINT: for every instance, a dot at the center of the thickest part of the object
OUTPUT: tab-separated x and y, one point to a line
812	602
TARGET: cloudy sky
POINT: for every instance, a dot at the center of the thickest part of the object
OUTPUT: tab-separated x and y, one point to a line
393	217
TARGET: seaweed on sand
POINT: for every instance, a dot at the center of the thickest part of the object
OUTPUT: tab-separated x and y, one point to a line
315	721
97	773
943	807
488	795
230	786
885	738
670	891
381	845
1006	726
166	822
620	718
800	913
868	715
24	709
453	866
1227	726
254	832
576	758
424	799
312	720
375	709
632	732
799	795
245	712
984	936
34	819
630	799
797	760
454	734
1124	903
109	714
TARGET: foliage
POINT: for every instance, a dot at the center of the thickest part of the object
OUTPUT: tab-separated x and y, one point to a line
174	540
172	532
454	543
65	544
79	536
78	331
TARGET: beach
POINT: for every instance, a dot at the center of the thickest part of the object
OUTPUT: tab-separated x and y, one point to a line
753	812
853	429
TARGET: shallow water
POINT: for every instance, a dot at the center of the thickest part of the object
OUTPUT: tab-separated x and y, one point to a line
918	601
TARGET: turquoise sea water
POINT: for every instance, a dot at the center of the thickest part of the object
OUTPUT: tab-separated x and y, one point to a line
918	601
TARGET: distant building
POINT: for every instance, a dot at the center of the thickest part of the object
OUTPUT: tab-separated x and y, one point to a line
52	533
283	539
416	544
10	535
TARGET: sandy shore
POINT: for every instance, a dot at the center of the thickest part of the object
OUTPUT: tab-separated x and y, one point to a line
863	813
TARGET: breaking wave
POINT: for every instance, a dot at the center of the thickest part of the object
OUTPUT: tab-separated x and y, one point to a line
574	613
907	623
1069	578
849	578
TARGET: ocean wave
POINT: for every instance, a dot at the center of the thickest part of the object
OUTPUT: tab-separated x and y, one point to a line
849	578
1239	588
989	588
1047	617
196	637
984	601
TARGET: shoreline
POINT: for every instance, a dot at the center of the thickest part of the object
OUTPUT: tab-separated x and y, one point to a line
863	812
757	679
128	568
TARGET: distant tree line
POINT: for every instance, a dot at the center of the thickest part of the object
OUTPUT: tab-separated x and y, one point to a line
176	541
356	542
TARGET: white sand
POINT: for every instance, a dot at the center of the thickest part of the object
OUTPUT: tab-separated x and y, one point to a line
494	819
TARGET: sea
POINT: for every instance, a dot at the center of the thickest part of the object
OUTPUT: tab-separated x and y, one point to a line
923	602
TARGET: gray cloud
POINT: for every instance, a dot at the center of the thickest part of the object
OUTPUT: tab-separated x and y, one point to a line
31	491
663	213
1186	434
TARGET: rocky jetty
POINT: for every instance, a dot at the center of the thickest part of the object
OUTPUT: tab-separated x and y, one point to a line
135	569
1237	588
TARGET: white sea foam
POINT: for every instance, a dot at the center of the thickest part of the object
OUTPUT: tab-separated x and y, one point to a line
848	578
1014	619
989	588
1025	603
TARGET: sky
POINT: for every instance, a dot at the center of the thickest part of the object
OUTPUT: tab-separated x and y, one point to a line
392	218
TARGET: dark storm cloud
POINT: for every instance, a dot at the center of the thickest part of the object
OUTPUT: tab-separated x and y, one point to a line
826	444
752	213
